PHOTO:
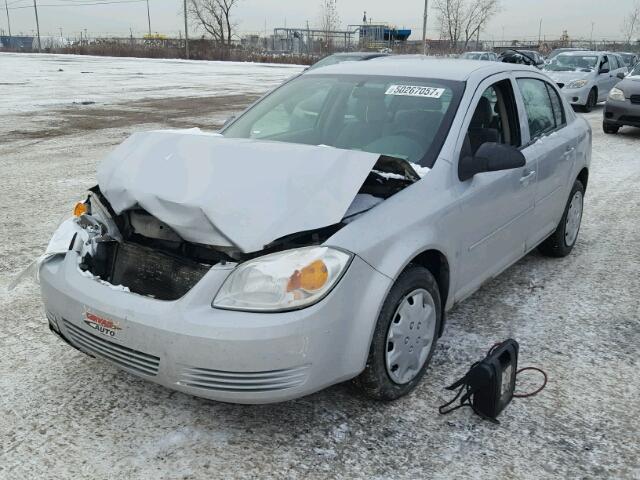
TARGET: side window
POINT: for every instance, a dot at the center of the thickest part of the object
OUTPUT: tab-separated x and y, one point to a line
495	119
484	57
605	63
537	105
613	61
558	109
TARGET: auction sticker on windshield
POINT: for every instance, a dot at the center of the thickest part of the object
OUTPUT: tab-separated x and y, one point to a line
415	91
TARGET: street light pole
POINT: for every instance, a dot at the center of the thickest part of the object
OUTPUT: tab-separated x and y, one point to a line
35	7
424	27
186	31
148	18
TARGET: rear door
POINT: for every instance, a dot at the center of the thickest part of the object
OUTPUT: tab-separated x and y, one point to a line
551	144
494	208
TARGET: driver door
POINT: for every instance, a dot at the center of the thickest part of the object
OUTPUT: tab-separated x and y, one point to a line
495	208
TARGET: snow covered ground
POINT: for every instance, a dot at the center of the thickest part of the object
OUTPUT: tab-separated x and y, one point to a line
65	415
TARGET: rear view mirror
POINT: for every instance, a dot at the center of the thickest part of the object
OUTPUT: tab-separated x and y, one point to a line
490	157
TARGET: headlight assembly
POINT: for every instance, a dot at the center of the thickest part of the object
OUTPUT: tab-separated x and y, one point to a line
283	281
616	94
577	83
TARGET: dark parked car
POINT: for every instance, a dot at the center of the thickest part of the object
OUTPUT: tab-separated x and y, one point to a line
523	57
346	57
623	104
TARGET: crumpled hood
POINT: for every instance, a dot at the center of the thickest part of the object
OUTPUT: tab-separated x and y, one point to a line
232	192
566	77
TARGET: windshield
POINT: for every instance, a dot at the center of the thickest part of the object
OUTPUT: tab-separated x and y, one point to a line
406	118
628	58
568	63
636	70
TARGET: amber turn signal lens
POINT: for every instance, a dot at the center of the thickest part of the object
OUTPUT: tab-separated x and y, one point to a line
310	278
80	209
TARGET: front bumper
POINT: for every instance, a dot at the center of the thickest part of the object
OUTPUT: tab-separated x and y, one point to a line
621	113
239	357
576	96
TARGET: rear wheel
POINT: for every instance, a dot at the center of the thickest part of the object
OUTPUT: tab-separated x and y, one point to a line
609	128
592	100
561	242
404	338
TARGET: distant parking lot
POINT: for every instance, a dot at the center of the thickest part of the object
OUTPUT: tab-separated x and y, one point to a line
65	415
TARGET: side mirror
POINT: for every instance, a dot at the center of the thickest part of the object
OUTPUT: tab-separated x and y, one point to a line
620	75
490	157
603	70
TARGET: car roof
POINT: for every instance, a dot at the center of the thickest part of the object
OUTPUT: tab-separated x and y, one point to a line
360	54
420	66
575	53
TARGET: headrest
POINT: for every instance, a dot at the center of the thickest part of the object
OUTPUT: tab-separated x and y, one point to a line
483	114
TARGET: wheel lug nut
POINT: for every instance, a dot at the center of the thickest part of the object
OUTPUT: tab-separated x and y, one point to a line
406	340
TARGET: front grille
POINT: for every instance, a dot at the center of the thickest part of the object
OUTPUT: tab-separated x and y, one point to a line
635	98
128	358
266	381
560	85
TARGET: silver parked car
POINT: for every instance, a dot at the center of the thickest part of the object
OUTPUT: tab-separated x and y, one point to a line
487	56
323	234
586	78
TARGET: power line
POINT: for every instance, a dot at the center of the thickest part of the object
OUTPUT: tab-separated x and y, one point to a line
109	2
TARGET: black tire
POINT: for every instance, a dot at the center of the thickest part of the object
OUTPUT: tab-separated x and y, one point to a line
556	245
592	101
609	128
375	381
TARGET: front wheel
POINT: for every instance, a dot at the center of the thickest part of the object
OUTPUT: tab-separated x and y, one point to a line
592	101
561	242
608	128
404	338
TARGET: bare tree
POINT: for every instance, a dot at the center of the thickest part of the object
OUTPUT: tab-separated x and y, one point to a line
214	16
631	23
329	20
461	20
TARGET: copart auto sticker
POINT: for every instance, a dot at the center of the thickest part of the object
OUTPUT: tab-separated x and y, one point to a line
415	91
102	325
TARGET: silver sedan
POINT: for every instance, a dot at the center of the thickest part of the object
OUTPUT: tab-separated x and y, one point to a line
323	234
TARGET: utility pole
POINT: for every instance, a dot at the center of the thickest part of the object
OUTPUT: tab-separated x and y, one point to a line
35	7
539	33
149	18
186	30
591	37
8	20
424	27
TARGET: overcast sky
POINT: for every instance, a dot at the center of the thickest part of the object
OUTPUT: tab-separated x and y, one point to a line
518	18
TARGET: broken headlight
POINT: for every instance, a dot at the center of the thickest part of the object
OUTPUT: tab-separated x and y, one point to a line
283	281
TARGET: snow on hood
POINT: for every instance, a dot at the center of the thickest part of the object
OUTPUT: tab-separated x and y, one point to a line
232	192
566	77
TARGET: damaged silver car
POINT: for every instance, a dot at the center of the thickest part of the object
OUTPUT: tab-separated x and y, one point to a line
323	234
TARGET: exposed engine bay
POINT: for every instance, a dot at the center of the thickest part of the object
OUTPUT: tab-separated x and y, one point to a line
138	251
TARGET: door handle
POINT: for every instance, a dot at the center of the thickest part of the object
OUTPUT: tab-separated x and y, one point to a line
525	178
568	150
